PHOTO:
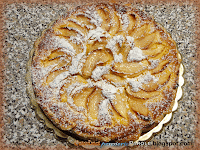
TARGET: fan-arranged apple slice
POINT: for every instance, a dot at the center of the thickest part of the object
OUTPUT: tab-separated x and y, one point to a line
95	45
70	85
138	106
81	98
139	32
130	68
161	79
115	19
93	59
93	106
114	79
141	94
79	28
132	23
146	41
104	13
120	103
154	50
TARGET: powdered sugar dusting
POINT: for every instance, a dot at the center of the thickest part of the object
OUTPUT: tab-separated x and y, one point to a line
63	44
118	58
136	83
135	54
112	43
154	63
103	113
76	39
81	23
55	83
130	41
112	46
125	21
108	90
43	71
77	63
96	34
99	71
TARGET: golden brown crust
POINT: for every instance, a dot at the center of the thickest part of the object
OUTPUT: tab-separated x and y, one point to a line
111	56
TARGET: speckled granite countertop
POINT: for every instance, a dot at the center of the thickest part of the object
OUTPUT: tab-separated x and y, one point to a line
24	24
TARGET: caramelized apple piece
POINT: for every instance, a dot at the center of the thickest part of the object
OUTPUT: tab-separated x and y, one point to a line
105	15
117	118
132	22
141	94
71	81
93	106
116	27
65	31
81	18
52	75
114	79
154	50
54	61
146	41
161	78
139	32
100	56
95	45
72	25
120	104
130	68
162	65
80	99
138	105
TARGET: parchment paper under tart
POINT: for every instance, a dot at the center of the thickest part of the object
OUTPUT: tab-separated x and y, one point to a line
71	140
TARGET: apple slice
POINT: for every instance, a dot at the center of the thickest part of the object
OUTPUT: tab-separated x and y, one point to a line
100	56
162	78
138	105
130	68
115	24
52	75
95	45
141	94
80	99
120	104
142	43
81	18
74	25
132	22
71	81
55	53
161	66
104	14
139	32
93	106
117	80
54	61
154	50
117	118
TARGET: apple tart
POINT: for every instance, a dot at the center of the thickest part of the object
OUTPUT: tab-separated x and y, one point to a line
105	72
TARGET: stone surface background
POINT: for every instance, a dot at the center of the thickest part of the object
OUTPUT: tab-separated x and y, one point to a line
23	24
